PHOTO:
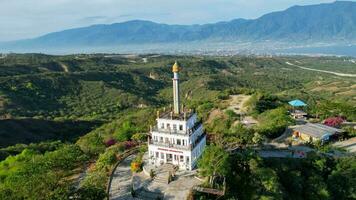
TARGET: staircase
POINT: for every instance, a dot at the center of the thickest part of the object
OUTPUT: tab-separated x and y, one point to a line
163	174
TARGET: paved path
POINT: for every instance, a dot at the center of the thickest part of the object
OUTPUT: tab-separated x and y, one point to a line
349	145
121	183
64	67
324	71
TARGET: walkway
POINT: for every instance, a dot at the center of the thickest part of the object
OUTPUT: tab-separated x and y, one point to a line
324	71
121	183
349	145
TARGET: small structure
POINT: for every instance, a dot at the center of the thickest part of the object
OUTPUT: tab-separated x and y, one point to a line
297	113
178	137
297	103
311	132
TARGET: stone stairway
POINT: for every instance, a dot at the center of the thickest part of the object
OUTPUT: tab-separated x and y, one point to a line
162	175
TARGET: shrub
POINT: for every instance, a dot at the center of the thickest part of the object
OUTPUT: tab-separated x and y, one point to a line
110	142
136	164
139	137
106	159
129	144
334	121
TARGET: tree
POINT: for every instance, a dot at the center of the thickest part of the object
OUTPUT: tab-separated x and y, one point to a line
90	193
274	122
139	137
342	180
214	163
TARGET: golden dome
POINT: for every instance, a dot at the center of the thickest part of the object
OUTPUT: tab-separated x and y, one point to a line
176	67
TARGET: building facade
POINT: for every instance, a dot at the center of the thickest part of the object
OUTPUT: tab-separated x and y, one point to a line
178	137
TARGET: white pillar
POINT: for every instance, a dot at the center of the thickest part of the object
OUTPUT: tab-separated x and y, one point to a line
176	93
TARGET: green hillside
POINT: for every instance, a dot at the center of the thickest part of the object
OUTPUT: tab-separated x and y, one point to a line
96	88
60	113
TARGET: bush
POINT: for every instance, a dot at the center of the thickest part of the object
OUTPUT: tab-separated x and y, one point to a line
334	121
110	142
139	137
129	144
274	122
106	159
136	164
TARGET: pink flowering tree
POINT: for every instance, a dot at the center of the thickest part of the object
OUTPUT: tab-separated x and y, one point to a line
334	121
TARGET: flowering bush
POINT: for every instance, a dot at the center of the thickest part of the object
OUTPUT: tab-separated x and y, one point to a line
334	121
135	166
110	142
129	144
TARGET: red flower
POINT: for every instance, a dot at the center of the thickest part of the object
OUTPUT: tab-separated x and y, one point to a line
334	121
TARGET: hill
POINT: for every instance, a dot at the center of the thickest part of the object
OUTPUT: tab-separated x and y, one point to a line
330	23
38	95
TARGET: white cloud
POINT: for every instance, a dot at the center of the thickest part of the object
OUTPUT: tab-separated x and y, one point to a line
30	18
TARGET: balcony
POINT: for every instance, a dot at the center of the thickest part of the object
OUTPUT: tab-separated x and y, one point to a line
190	131
169	145
176	146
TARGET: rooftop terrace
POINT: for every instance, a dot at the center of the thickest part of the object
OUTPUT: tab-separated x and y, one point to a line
183	115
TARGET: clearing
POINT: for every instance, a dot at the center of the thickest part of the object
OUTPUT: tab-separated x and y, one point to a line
237	103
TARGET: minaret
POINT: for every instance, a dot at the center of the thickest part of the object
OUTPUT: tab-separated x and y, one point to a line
175	70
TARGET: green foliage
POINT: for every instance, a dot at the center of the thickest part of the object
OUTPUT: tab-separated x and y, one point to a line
274	178
239	134
139	137
106	159
342	180
136	164
92	143
214	163
260	102
39	101
274	122
125	132
90	193
36	176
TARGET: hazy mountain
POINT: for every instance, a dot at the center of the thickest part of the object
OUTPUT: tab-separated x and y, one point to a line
333	22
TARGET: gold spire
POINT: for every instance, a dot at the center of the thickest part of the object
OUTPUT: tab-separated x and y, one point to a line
176	67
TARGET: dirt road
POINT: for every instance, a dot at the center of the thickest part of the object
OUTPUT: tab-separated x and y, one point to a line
324	71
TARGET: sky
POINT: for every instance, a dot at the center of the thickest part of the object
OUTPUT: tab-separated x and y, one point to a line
21	19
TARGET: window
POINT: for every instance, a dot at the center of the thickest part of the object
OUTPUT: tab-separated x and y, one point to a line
175	157
161	139
168	126
183	142
187	158
162	155
162	125
157	154
179	142
181	159
180	127
166	140
174	127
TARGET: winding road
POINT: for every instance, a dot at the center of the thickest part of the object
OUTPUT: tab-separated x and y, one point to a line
324	71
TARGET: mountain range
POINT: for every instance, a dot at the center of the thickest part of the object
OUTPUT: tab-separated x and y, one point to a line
323	23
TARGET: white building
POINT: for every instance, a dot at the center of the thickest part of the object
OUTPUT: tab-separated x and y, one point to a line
178	137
